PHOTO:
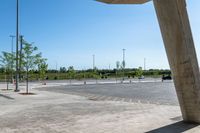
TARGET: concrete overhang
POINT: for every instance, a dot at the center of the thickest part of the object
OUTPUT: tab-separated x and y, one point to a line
124	1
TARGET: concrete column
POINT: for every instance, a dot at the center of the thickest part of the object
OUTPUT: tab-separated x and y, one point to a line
179	45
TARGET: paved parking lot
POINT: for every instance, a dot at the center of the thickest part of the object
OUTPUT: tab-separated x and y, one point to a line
145	92
105	108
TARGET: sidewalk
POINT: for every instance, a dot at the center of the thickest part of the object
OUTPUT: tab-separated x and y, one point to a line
49	112
81	82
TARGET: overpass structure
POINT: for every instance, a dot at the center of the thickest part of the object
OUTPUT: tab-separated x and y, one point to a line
178	40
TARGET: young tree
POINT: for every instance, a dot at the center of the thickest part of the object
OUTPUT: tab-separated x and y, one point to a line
123	64
95	74
42	68
29	60
117	68
139	72
71	73
6	60
123	70
63	70
155	74
117	65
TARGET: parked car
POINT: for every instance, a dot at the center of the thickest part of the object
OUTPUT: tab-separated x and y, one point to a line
141	77
166	77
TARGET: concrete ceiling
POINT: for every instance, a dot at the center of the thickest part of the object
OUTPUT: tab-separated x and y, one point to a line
124	1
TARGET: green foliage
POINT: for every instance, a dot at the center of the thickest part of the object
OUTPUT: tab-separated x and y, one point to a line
95	73
79	76
2	70
42	70
123	64
156	74
117	65
100	73
139	72
29	58
6	60
42	67
63	70
71	72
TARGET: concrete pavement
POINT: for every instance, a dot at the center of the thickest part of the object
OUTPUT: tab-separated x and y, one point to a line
51	112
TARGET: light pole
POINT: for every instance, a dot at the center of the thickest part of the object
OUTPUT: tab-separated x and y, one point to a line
12	52
93	61
124	50
56	70
20	56
94	71
123	62
12	41
144	64
17	49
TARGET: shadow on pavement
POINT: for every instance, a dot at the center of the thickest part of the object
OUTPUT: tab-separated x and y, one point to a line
178	118
178	127
7	97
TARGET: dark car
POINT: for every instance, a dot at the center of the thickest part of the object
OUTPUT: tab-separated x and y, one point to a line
166	77
141	77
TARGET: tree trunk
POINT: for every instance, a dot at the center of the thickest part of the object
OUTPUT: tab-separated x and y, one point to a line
7	81
116	76
27	79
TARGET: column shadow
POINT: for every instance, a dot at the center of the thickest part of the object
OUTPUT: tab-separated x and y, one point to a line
7	97
178	127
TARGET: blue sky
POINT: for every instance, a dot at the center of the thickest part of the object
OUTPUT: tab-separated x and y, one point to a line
69	32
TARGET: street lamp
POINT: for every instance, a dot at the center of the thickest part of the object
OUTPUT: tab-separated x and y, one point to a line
12	40
20	56
123	62
17	49
93	62
144	64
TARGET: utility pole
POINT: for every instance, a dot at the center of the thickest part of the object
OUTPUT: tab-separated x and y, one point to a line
17	54
12	52
144	64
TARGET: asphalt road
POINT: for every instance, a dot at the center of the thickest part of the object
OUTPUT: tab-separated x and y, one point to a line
148	92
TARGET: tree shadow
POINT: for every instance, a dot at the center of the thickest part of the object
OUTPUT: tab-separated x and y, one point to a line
7	97
178	127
